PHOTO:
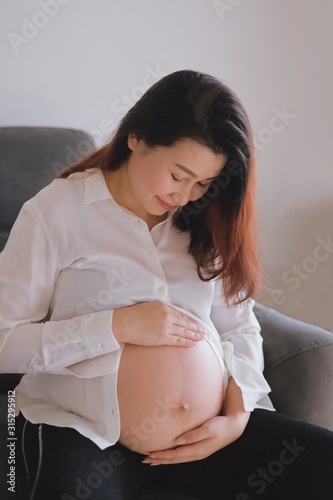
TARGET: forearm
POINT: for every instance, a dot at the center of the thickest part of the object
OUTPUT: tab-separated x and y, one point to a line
233	407
53	346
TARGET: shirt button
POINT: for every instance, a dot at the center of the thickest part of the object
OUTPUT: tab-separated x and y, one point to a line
161	290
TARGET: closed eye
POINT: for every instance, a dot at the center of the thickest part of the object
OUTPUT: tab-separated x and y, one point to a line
175	178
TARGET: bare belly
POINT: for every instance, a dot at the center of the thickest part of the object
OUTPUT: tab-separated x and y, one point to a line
164	391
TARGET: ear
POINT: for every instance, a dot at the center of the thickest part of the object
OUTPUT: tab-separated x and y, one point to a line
132	142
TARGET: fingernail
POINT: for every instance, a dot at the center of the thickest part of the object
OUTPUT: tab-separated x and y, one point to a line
180	440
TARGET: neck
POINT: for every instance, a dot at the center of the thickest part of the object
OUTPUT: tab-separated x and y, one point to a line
118	185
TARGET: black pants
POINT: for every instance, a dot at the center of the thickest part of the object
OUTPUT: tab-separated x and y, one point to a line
276	458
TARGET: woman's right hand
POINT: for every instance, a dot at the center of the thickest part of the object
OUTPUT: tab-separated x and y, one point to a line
155	323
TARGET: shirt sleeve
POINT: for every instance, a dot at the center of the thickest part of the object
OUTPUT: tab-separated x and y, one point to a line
241	341
28	341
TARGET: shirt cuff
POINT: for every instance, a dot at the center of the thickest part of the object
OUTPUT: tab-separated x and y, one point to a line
251	381
104	349
97	333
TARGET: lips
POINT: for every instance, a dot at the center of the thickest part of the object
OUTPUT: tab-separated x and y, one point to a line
166	206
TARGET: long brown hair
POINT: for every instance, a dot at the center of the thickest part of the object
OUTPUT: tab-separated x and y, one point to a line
193	105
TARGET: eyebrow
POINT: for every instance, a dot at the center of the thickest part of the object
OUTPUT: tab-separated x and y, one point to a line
192	174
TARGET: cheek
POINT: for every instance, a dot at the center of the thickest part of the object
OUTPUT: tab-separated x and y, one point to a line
153	180
153	184
197	194
160	184
146	181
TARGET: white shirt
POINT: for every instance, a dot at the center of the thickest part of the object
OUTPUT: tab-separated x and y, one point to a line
73	256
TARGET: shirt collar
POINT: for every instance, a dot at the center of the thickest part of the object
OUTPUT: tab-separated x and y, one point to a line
95	187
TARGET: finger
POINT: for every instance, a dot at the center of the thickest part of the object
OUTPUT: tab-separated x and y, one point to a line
184	321
193	436
189	330
168	456
184	333
181	341
178	455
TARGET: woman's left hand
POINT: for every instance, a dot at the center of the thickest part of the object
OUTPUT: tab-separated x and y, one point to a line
214	434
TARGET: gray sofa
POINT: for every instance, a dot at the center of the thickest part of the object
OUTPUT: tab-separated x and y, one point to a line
298	356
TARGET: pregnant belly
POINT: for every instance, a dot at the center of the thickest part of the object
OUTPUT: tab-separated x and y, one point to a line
164	391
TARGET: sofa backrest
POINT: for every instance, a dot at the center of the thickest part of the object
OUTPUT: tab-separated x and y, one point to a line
30	158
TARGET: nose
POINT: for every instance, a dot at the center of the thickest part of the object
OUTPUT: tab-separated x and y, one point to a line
182	196
180	200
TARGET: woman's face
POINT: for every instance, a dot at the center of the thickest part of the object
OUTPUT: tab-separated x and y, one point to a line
162	178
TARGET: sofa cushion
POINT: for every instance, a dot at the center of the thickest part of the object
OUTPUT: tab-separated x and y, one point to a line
298	357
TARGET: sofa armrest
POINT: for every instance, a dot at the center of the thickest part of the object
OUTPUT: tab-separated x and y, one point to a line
298	366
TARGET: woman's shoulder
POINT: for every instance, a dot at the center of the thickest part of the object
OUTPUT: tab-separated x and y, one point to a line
62	200
64	192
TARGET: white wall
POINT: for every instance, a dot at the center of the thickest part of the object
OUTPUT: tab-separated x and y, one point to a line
87	59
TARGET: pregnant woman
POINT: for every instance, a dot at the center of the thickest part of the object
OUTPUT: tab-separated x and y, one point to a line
126	299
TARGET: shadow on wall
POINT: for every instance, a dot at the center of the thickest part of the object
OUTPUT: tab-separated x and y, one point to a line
301	282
